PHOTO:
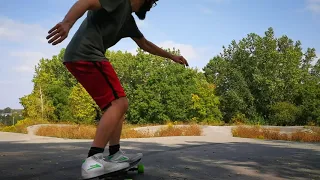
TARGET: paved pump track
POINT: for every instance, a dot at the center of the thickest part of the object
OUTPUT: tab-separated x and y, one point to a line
215	155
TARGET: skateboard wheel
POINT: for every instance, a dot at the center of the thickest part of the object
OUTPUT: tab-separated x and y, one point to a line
140	168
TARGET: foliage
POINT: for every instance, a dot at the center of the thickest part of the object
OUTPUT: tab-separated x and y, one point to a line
160	90
284	113
239	118
257	132
205	103
6	110
52	86
157	88
258	80
258	72
10	117
81	105
21	126
88	131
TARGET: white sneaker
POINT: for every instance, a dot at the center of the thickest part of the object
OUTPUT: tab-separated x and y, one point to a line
120	156
96	166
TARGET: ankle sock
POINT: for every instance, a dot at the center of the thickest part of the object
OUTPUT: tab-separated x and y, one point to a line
114	149
95	150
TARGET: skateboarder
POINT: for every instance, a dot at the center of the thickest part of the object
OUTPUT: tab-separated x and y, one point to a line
106	23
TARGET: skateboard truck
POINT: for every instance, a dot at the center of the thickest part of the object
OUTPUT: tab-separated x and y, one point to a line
139	168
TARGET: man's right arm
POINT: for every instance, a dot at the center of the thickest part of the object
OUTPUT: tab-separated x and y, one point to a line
79	8
60	31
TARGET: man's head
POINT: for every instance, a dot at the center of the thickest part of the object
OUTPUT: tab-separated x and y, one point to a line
145	7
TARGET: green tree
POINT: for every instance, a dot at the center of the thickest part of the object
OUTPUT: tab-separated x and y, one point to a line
159	89
284	113
81	105
205	105
258	72
35	107
52	86
309	93
232	88
7	110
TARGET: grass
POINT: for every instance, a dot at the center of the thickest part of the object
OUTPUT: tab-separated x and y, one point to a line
171	130
70	131
128	131
1	126
310	134
21	126
74	131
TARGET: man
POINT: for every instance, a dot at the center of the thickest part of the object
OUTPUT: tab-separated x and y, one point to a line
107	22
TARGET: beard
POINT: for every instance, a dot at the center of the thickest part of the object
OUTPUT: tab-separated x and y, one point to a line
143	11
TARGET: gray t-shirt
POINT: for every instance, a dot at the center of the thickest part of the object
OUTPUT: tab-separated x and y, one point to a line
102	29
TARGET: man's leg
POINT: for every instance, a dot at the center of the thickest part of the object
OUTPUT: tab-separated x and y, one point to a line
115	154
108	128
101	82
114	142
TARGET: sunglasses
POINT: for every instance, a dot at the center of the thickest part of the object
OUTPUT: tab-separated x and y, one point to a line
154	3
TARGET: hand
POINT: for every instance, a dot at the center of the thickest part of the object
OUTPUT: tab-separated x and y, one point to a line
180	60
58	33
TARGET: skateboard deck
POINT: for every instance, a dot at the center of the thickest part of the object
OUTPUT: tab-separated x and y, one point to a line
121	173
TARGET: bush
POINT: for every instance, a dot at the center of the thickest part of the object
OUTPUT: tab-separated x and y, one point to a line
171	130
9	129
128	131
239	119
256	132
71	132
21	126
284	113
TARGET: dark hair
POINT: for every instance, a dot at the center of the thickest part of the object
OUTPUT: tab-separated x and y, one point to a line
144	8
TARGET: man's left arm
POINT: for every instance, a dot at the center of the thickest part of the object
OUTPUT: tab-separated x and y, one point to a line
148	46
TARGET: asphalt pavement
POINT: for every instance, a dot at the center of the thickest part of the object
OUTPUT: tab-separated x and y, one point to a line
215	155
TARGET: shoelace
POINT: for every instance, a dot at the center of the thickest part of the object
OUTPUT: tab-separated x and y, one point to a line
122	152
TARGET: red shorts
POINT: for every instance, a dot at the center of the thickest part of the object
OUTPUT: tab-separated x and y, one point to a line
99	79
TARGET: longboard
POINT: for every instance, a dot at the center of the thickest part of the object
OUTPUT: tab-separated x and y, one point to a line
139	168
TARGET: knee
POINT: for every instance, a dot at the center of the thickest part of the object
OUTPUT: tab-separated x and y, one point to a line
123	102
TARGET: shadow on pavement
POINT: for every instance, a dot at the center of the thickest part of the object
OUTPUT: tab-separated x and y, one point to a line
201	160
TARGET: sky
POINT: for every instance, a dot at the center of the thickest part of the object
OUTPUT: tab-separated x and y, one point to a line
198	28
